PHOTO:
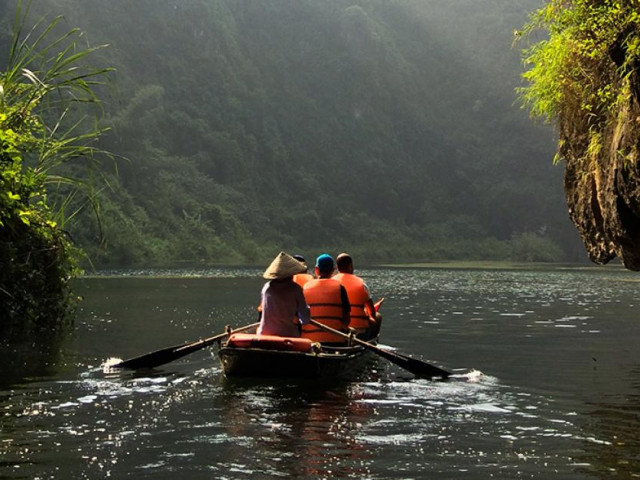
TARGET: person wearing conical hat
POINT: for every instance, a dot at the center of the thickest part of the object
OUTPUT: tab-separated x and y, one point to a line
284	308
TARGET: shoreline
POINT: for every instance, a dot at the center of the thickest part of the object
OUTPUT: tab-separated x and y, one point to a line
251	271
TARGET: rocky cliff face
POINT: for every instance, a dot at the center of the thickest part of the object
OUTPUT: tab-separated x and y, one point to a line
602	184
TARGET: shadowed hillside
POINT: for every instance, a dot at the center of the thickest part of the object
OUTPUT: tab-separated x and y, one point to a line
384	128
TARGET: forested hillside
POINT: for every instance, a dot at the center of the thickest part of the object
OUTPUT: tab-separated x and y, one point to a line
386	128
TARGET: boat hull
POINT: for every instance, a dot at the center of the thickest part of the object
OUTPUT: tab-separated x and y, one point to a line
338	362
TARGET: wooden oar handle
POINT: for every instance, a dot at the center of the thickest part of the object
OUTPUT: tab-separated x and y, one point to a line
227	332
328	329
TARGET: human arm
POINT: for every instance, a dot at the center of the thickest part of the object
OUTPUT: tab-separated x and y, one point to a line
346	306
369	306
302	308
371	310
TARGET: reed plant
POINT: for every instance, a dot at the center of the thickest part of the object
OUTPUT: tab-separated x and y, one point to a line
49	124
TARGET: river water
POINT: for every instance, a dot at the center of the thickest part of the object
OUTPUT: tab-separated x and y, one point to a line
546	385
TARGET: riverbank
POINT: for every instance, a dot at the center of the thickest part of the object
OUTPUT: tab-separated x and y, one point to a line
504	265
229	271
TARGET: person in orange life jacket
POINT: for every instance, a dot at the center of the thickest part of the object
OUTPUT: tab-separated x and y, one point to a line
283	306
302	278
364	318
328	301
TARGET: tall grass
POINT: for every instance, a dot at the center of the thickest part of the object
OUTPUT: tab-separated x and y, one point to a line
47	146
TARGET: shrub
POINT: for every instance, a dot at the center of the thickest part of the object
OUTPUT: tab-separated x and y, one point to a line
40	135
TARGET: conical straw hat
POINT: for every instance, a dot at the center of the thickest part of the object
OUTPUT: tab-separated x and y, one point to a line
283	266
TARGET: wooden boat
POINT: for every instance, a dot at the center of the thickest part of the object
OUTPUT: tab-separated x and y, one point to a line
250	355
271	356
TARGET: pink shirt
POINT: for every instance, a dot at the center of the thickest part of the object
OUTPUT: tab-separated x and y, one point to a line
284	309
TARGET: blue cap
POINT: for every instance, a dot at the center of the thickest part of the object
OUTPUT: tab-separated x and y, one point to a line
325	263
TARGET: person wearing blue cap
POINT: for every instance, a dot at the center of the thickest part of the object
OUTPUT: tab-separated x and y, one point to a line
329	303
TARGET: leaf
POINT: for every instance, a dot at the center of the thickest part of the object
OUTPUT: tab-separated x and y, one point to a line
24	216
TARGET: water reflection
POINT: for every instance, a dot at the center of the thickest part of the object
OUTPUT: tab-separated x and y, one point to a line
615	423
305	430
27	360
380	427
558	398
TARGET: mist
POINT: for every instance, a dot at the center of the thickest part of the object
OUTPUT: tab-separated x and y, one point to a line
390	129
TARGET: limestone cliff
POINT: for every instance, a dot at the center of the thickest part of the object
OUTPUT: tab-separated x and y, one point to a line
602	185
585	77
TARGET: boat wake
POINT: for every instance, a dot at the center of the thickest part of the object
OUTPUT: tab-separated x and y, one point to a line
472	376
108	365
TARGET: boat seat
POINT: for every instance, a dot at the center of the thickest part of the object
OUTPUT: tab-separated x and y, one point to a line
270	342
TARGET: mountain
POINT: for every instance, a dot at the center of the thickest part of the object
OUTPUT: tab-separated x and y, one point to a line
386	128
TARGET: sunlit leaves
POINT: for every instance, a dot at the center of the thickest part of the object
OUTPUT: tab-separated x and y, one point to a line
41	131
575	73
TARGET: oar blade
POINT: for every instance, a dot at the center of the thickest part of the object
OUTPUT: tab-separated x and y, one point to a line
417	367
169	354
157	358
426	370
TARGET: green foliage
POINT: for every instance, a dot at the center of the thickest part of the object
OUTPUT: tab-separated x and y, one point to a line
371	126
579	75
39	134
531	247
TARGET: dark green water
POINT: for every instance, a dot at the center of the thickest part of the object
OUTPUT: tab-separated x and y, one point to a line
558	395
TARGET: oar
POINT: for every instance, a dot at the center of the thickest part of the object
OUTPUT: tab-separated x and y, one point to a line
378	304
169	354
417	367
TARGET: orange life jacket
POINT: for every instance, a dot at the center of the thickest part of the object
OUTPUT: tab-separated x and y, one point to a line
358	297
302	278
324	298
